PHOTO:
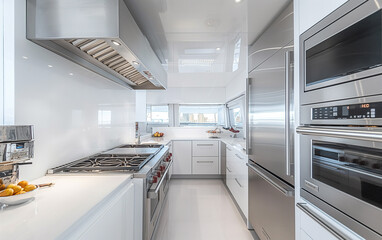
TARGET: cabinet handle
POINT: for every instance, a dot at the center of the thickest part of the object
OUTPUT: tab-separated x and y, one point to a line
204	145
304	207
237	155
205	161
238	182
229	170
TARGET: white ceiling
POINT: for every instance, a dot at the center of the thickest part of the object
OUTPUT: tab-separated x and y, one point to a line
199	36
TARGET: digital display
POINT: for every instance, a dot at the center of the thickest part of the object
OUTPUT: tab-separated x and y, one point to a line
19	145
354	111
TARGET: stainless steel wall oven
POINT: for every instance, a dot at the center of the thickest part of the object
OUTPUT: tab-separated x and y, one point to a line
341	116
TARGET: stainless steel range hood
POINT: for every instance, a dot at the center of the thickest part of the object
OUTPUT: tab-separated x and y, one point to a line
100	35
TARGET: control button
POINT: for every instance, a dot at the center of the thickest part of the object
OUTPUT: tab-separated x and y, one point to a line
376	166
335	114
154	179
363	163
335	109
372	110
373	115
170	154
158	174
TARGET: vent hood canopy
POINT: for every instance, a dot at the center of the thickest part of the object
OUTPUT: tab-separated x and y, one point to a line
100	35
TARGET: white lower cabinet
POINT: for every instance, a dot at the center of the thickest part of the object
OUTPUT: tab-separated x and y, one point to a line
182	155
310	229
205	165
237	177
114	221
196	157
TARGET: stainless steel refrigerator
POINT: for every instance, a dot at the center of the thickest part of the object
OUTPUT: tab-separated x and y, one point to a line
270	145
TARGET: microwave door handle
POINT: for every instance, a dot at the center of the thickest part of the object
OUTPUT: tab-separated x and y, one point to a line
288	106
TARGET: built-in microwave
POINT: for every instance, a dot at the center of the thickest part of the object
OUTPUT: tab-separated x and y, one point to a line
341	56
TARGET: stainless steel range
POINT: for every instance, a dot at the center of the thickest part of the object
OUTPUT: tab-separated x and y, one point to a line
148	163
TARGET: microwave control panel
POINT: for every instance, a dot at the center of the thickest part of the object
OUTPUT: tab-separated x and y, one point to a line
353	111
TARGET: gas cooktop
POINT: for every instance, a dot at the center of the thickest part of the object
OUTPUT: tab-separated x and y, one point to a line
126	158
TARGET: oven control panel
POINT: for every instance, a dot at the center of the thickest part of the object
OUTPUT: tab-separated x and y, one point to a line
353	111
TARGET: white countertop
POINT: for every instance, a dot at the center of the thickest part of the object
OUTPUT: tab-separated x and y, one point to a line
237	143
57	208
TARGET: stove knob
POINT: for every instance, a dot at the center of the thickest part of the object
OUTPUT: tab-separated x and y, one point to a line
168	159
162	168
376	166
342	159
363	163
154	179
170	154
158	174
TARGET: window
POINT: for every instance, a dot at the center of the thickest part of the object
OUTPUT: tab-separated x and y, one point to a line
201	115
157	114
235	117
236	112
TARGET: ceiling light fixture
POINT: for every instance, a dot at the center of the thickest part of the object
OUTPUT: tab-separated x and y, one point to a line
218	49
136	63
238	1
115	43
71	74
50	66
25	57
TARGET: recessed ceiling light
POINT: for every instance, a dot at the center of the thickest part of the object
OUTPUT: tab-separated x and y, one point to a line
136	63
25	57
218	49
238	1
50	66
71	74
115	43
151	78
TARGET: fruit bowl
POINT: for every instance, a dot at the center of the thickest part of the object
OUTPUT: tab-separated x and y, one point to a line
19	199
158	135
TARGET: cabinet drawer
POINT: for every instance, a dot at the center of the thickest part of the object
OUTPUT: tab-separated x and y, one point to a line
205	148
205	165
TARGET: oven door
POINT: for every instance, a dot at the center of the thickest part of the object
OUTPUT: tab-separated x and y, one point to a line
344	169
344	47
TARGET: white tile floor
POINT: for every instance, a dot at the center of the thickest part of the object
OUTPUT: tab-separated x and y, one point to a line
200	209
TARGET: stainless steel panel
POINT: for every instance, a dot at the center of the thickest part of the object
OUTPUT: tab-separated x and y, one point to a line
354	85
267	116
271	212
365	213
353	224
278	35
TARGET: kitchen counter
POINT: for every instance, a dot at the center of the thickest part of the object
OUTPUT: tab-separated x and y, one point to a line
58	208
237	143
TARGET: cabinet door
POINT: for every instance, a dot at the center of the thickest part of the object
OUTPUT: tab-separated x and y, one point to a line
313	229
117	220
205	165
182	157
205	148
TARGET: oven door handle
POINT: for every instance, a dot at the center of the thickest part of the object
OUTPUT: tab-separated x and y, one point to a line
306	209
153	193
369	135
287	191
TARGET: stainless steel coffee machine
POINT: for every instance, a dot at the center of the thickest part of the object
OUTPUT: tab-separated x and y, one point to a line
16	148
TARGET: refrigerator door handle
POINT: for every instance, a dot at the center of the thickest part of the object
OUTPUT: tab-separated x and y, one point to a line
247	128
287	191
288	107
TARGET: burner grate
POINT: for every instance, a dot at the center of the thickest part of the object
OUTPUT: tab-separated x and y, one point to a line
110	162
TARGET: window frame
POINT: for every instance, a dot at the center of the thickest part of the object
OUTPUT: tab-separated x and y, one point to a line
220	107
158	123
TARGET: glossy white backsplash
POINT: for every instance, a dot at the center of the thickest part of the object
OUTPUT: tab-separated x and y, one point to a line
75	112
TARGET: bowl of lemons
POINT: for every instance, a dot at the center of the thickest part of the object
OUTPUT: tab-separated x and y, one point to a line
15	194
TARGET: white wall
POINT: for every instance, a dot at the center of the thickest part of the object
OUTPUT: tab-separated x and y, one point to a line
187	95
64	107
